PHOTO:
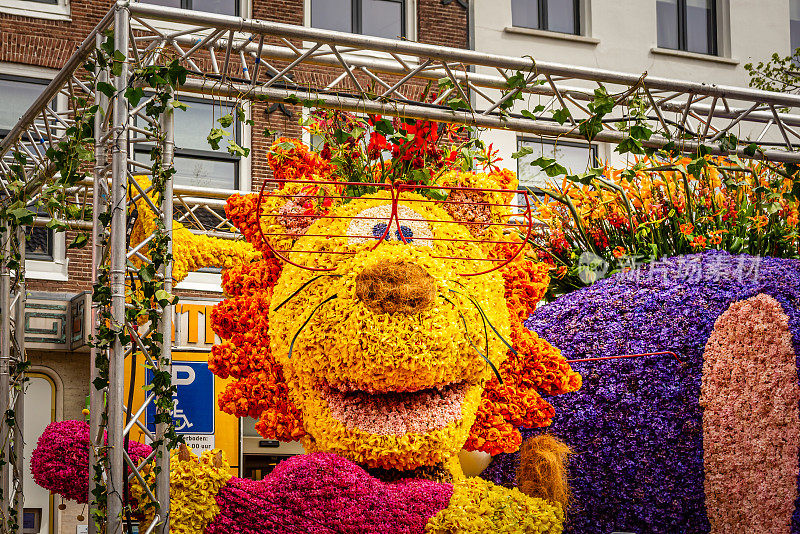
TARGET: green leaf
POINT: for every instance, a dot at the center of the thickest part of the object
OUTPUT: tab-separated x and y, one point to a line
56	225
641	131
549	166
629	144
457	104
750	150
164	298
226	120
134	95
531	114
602	104
79	241
147	273
215	136
561	115
236	150
22	216
517	81
106	88
178	105
590	127
522	152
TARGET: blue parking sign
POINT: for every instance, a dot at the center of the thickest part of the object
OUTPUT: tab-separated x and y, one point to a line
193	403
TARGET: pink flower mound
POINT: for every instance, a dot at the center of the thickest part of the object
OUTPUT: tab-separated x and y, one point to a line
60	461
324	493
751	425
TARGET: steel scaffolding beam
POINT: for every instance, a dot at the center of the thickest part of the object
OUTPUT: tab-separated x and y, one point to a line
253	60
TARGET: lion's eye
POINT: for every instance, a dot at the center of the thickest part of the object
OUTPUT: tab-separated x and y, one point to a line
379	229
372	223
407	233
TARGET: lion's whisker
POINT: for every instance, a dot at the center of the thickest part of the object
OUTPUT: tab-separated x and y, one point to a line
291	345
302	287
469	339
483	314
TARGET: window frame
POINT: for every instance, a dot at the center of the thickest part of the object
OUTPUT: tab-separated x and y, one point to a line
357	21
541	9
53	264
210	280
24	79
187	4
712	35
211	155
59	10
791	20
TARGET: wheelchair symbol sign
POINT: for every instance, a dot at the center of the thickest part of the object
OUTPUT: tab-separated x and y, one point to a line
193	402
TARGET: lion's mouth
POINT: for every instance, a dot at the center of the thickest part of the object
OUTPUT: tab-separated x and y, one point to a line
397	413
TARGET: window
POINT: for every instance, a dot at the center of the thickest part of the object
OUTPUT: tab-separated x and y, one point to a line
18	95
220	7
794	24
689	25
42	9
196	163
561	16
574	156
379	18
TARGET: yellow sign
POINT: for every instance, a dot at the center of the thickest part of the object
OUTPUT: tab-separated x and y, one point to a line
192	326
196	413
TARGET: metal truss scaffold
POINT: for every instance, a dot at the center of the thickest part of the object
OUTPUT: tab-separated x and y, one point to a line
250	60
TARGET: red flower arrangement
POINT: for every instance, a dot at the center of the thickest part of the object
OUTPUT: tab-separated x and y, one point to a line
62	453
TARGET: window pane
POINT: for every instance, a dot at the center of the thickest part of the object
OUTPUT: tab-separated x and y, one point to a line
794	24
561	16
332	15
574	158
525	13
17	97
699	21
220	7
39	244
382	18
165	3
193	125
667	19
202	172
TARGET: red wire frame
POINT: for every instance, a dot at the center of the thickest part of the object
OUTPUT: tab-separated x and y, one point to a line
396	191
600	358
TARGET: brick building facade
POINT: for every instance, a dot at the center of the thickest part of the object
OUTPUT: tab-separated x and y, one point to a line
36	39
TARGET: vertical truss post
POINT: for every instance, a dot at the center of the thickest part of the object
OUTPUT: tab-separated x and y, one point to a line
165	328
19	405
5	374
119	203
99	202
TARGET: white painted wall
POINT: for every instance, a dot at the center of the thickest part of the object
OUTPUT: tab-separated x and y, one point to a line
621	35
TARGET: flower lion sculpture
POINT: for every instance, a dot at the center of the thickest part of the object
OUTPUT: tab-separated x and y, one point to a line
382	326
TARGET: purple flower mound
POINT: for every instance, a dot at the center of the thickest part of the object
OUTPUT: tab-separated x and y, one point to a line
325	493
636	425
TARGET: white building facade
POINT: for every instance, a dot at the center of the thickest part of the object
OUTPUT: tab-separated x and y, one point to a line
706	41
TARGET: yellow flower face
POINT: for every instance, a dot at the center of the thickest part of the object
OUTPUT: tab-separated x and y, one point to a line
385	351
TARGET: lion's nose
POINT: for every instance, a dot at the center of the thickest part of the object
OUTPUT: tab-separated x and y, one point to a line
395	287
